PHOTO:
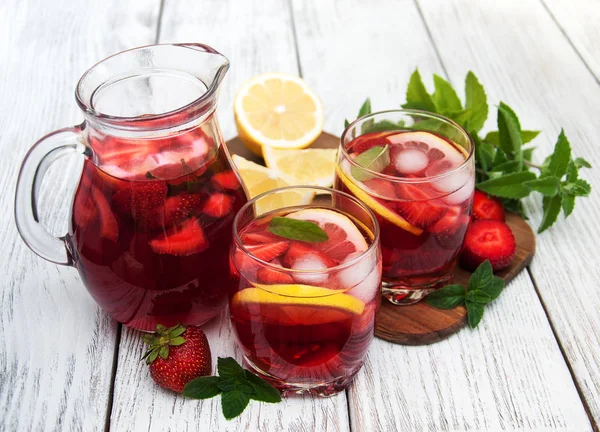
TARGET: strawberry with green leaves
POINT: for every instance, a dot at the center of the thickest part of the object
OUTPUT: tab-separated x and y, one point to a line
177	355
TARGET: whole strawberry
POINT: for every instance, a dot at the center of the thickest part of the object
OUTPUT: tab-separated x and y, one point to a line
177	355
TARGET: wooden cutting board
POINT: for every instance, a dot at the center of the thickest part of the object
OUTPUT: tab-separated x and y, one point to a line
421	324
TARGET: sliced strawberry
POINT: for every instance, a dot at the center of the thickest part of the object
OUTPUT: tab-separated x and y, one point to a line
176	209
183	240
140	199
268	251
226	180
109	228
258	238
449	230
488	239
218	205
417	206
300	250
271	276
380	188
487	207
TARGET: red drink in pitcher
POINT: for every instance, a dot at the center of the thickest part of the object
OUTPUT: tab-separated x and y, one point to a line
420	185
151	227
304	312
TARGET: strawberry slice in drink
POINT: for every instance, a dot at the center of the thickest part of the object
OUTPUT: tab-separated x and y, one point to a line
109	227
218	205
176	209
225	180
183	240
139	200
418	205
266	252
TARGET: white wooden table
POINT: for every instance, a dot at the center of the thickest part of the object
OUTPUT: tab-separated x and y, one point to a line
533	363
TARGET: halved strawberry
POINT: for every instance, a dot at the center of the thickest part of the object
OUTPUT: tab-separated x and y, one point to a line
258	238
417	206
176	209
185	239
218	205
298	250
109	228
225	180
488	239
140	199
487	207
268	251
271	276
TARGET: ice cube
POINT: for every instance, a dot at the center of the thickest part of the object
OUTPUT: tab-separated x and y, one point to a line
353	275
369	287
310	262
453	182
409	161
461	194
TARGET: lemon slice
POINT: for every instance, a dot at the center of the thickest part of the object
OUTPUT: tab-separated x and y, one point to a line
277	110
377	207
259	179
299	295
314	167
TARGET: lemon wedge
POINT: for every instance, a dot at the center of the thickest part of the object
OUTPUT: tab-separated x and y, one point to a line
299	295
377	207
279	111
314	167
259	179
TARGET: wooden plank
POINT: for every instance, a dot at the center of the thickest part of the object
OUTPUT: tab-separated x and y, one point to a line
56	346
579	19
138	402
507	374
546	83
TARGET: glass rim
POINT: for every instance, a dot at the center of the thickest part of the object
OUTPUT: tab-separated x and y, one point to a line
374	243
397	179
89	110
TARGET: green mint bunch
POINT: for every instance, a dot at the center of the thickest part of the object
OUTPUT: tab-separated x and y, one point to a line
483	288
503	158
236	386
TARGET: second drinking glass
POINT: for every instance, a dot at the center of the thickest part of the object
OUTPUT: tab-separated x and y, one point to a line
306	287
415	170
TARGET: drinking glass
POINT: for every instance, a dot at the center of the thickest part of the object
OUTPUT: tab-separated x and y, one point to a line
304	312
415	170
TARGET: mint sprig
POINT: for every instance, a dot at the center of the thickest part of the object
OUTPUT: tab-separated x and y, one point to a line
296	229
503	162
236	386
483	288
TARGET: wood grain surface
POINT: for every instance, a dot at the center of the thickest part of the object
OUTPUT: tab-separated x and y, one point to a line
56	345
534	361
538	72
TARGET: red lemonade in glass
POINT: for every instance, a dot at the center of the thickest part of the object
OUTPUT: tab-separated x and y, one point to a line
304	312
422	194
151	227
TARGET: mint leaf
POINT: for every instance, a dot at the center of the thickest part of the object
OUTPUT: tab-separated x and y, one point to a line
478	296
233	403
202	388
365	108
476	102
568	204
508	186
229	368
548	186
506	167
375	159
381	126
572	172
559	160
526	136
582	163
445	98
295	229
474	313
481	277
551	207
346	123
578	188
447	297
484	153
229	384
528	153
416	94
264	391
510	132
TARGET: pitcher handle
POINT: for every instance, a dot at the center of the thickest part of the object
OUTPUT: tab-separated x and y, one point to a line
37	161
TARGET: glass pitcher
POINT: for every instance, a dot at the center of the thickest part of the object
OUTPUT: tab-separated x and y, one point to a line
151	221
